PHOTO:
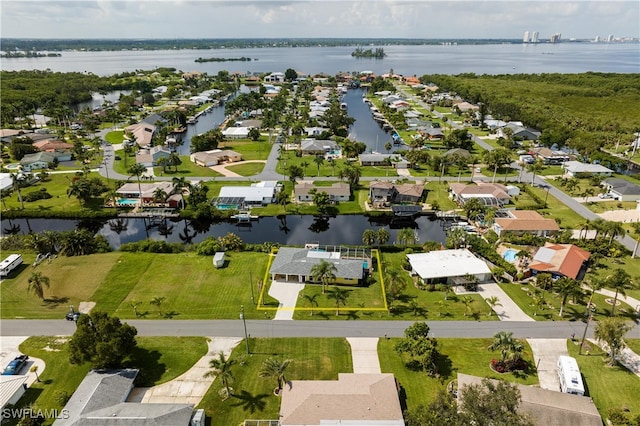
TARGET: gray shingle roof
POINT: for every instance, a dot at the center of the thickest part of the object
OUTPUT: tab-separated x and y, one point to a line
299	261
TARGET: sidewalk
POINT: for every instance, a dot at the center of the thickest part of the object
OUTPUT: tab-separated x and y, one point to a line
627	357
509	311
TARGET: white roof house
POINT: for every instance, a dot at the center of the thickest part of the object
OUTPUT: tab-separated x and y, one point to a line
236	132
258	193
439	264
573	168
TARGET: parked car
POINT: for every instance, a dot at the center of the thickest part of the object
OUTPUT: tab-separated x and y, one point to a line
73	316
605	196
15	365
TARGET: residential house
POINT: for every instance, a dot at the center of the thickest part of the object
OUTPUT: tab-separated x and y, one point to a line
143	133
100	400
63	150
38	160
12	388
339	191
149	157
154	119
318	146
250	123
621	189
191	75
315	131
546	407
549	156
519	131
275	77
379	160
490	194
560	260
239	197
296	263
215	157
443	266
432	133
383	193
520	222
578	169
236	132
132	190
354	399
466	106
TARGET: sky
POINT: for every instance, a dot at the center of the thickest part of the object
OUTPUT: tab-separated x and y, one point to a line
582	19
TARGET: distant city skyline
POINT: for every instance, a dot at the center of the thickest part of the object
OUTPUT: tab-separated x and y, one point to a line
318	18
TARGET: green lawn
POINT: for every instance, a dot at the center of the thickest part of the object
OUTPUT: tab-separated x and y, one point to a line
115	137
631	266
326	169
188	169
192	288
439	192
312	359
565	216
250	150
469	356
633	344
248	169
609	387
520	294
603	206
161	359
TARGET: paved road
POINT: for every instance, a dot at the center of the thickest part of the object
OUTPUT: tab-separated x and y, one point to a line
266	328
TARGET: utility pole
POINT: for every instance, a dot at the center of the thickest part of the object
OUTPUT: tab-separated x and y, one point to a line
584	335
251	285
244	323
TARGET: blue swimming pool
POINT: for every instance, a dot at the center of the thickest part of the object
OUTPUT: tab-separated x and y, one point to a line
127	201
510	255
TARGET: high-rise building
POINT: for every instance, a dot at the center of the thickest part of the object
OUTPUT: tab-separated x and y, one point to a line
525	38
534	37
555	38
597	39
610	38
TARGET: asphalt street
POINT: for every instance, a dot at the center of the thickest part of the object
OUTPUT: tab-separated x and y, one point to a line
271	328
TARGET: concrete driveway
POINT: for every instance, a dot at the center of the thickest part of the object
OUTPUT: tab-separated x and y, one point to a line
287	294
9	350
190	387
509	311
545	355
364	355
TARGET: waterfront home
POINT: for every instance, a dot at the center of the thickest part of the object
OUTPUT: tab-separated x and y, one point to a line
383	193
143	133
518	222
236	132
578	169
154	119
490	194
215	157
132	190
295	264
621	189
318	147
560	260
355	399
240	197
443	266
275	77
149	157
377	159
101	397
339	191
38	160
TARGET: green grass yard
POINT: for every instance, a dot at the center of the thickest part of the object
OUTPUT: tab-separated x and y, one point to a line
248	169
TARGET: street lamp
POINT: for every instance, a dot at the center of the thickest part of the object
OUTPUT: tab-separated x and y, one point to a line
244	323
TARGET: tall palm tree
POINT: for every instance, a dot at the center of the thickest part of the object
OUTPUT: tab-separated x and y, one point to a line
319	160
221	367
456	237
159	195
594	284
369	237
324	272
621	281
137	170
37	282
584	226
157	302
614	229
275	368
16	180
636	231
340	295
567	287
406	236
382	236
510	349
311	298
174	160
493	301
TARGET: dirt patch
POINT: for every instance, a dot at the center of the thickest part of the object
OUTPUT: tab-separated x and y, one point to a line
86	307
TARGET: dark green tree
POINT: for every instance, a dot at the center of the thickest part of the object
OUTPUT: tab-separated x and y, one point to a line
422	349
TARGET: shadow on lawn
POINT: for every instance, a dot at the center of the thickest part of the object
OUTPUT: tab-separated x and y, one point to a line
53	301
151	370
250	402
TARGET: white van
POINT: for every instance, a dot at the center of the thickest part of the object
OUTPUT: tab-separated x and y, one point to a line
569	375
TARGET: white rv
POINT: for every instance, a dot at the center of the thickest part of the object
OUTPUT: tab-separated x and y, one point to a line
9	264
569	375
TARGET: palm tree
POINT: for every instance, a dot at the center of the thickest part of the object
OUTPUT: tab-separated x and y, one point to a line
137	170
406	236
221	367
134	305
614	229
621	281
311	298
636	231
382	236
163	162
611	331
584	226
534	168
17	179
544	281
510	349
467	305
340	295
304	164
493	301
456	237
159	195
319	160
37	282
567	287
158	301
174	160
275	368
323	272
369	237
594	285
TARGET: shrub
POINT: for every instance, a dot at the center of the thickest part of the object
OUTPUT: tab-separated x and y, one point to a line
41	194
152	246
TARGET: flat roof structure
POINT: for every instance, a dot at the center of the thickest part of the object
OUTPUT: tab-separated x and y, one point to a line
578	167
353	399
448	263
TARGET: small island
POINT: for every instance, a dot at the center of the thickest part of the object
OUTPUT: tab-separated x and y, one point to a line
242	59
30	54
378	53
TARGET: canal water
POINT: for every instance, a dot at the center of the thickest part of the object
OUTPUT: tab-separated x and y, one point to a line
286	230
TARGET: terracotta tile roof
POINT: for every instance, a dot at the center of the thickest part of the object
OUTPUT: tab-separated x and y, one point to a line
527	220
410	189
564	259
495	189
